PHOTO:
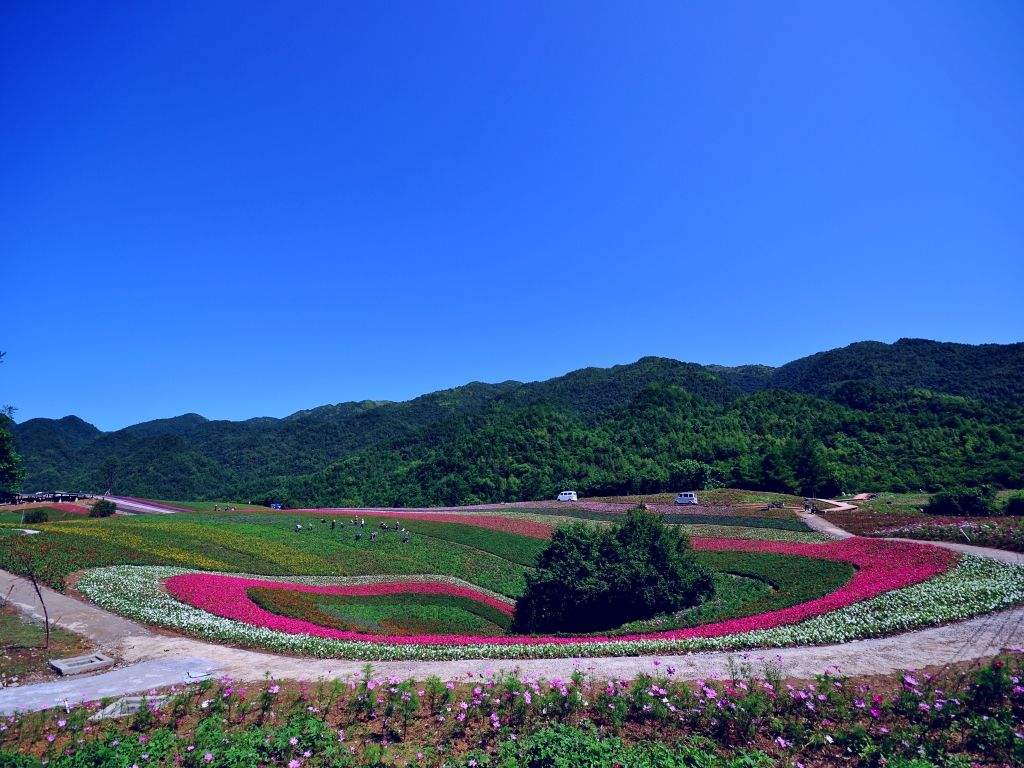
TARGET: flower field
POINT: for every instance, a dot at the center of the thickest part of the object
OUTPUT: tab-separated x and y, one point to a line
229	596
755	719
880	567
268	544
311	584
973	586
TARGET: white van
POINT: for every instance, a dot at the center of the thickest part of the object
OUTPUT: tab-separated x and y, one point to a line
687	497
567	496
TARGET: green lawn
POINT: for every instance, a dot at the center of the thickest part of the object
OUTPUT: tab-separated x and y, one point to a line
403	614
208	506
766	582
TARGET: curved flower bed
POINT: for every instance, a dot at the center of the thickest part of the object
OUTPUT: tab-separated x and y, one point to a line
973	586
881	566
228	596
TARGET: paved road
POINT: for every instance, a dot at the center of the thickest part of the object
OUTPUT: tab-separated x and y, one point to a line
821	525
105	629
144	507
69	691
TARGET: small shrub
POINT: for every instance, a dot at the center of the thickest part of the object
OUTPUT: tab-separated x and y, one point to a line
1014	506
35	516
14	760
103	508
961	501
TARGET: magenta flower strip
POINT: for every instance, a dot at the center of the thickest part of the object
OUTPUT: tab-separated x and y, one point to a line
881	566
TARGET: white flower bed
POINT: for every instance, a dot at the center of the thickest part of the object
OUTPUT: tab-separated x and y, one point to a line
973	587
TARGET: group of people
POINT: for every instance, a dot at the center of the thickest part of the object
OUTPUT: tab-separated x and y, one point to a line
360	522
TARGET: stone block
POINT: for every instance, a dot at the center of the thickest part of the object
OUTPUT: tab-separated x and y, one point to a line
76	665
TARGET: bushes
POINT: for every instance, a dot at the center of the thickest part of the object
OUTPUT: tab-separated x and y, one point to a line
1014	506
35	516
955	719
962	501
568	746
11	759
591	578
103	508
973	502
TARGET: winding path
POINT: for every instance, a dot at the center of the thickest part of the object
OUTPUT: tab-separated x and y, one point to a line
821	525
173	659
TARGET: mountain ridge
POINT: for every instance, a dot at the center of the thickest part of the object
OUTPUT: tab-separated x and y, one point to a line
190	454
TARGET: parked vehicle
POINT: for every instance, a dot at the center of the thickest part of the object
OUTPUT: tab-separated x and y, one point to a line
687	497
567	496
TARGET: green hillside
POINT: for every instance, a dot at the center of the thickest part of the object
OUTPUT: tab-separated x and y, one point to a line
914	414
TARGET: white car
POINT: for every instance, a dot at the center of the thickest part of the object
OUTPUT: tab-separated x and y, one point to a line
567	496
687	497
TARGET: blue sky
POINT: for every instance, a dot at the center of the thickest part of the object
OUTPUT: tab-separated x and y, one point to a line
245	211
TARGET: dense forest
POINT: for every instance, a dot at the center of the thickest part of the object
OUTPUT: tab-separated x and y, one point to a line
911	415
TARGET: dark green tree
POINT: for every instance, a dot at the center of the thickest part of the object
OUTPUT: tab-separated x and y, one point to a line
11	472
592	578
107	474
814	475
103	508
776	470
962	501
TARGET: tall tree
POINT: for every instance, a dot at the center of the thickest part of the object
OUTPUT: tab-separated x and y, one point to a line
590	578
11	473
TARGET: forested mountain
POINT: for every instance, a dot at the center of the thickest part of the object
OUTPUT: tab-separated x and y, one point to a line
914	414
980	371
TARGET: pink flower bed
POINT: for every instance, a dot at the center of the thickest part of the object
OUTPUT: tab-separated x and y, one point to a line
881	566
